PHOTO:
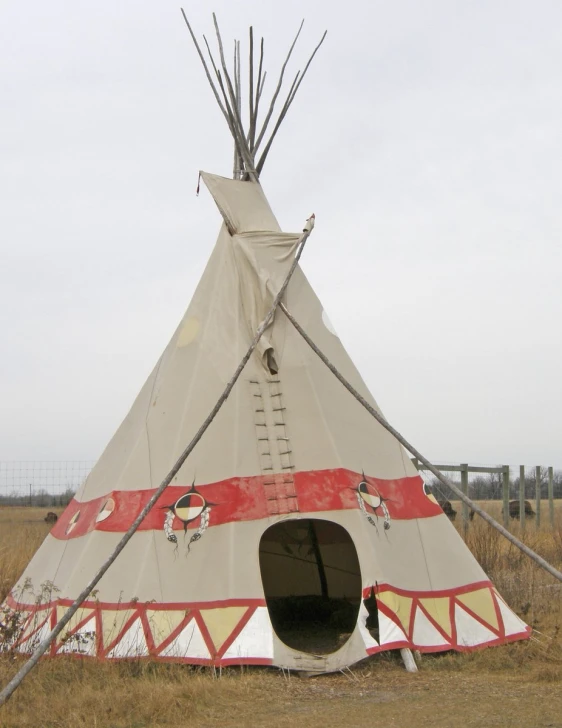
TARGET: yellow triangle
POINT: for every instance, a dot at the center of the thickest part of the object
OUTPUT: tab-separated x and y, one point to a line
438	610
163	623
481	603
75	620
401	606
221	622
113	621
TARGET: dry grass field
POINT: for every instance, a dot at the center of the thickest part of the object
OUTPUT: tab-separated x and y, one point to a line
519	685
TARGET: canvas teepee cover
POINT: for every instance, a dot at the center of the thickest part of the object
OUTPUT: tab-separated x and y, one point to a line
289	448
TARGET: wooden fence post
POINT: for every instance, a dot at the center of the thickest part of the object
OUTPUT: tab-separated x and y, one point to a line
506	495
551	495
464	486
538	496
522	496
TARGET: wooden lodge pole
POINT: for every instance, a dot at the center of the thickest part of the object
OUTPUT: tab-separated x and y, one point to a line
538	496
522	514
551	496
18	678
415	453
505	510
464	507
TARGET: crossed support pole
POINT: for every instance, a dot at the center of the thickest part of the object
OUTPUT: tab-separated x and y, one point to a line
407	656
412	450
19	677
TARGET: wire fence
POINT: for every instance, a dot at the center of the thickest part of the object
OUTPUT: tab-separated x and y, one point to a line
41	483
520	492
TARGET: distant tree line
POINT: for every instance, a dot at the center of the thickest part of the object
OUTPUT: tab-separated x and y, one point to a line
38	499
490	487
481	487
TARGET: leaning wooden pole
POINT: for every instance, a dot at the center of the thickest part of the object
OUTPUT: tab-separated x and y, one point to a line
387	426
16	681
551	496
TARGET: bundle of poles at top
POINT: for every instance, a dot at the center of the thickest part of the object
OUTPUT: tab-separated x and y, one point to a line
227	90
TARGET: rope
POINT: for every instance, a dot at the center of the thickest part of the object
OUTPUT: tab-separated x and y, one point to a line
449	483
42	648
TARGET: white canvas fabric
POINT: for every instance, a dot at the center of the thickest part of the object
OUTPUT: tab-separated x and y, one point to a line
290	451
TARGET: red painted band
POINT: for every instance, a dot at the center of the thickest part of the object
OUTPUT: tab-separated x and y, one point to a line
247	499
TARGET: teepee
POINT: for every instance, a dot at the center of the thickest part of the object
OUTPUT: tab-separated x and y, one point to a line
298	533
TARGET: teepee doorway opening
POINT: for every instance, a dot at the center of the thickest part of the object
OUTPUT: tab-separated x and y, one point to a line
312	583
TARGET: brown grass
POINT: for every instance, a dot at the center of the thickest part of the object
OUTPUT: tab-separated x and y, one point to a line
22	531
528	589
516	685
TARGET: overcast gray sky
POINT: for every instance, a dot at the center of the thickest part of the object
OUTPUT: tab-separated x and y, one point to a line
427	140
